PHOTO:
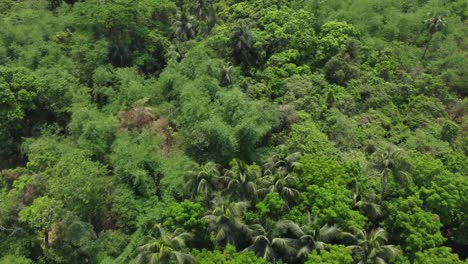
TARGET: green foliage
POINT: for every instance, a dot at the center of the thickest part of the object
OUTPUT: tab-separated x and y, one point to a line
186	214
307	138
417	229
271	207
17	92
292	127
135	163
332	203
111	242
336	254
42	213
333	37
436	255
318	170
79	183
229	256
15	259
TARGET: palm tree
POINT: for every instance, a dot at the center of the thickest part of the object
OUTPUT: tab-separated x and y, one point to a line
225	219
391	162
176	51
242	178
268	244
369	248
204	181
282	160
369	207
311	236
226	74
204	9
283	184
242	42
183	27
433	25
165	248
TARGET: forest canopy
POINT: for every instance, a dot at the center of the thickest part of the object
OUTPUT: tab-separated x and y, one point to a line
233	131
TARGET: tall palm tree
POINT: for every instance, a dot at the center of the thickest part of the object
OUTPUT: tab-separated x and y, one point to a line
225	220
268	243
242	43
226	74
204	9
282	160
165	248
370	206
242	179
204	180
282	183
311	236
391	163
184	27
433	25
370	248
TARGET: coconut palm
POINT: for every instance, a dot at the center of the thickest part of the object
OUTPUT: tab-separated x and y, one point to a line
433	25
282	160
242	179
370	206
204	180
204	9
225	220
176	51
311	236
165	248
370	248
226	74
183	27
268	243
242	43
391	163
282	183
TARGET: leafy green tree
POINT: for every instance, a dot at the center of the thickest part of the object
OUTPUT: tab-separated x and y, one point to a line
321	169
165	247
17	95
415	228
332	203
308	139
41	214
134	160
334	254
271	207
440	255
79	183
15	259
333	37
189	216
125	208
228	256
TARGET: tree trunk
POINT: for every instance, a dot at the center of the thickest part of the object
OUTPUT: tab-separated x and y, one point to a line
427	47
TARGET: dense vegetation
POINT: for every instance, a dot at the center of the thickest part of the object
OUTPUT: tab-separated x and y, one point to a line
229	131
